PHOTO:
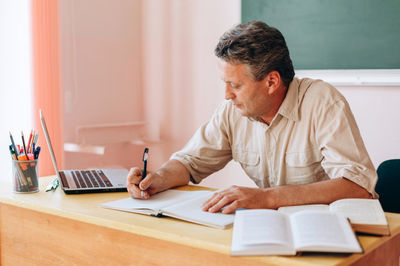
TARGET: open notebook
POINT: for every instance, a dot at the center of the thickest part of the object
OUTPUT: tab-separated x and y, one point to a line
184	205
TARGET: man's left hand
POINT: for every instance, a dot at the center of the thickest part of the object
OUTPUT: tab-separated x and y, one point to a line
236	197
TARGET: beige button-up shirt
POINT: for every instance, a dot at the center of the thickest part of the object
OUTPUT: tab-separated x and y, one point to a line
313	137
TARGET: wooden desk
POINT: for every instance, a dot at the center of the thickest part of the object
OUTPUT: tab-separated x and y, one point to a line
55	228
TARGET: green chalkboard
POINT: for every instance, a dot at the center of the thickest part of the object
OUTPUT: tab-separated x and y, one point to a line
334	34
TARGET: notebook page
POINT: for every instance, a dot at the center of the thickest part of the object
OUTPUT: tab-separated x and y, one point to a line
155	203
190	210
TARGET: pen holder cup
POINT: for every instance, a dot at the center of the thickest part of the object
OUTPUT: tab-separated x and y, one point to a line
25	176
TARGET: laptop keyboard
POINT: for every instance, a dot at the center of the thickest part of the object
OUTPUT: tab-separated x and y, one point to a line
87	179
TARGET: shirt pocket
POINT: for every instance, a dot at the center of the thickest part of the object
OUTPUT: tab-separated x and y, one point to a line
249	161
304	167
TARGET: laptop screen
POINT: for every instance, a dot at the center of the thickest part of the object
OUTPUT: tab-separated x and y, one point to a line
46	134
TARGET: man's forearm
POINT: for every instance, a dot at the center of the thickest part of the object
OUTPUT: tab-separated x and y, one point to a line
174	174
324	192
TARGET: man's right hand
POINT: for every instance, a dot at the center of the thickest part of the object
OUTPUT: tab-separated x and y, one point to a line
171	174
143	189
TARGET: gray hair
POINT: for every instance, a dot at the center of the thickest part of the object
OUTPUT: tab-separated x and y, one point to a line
261	47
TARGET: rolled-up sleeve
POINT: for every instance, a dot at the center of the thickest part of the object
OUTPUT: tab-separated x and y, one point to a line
343	149
209	150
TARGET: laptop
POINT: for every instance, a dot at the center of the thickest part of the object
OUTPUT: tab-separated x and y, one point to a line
86	181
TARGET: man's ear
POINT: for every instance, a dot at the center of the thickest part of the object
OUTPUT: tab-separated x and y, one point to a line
273	82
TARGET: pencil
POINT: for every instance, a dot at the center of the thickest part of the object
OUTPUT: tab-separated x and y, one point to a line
23	143
33	140
29	142
36	138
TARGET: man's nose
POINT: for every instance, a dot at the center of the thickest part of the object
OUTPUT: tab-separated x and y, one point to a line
229	95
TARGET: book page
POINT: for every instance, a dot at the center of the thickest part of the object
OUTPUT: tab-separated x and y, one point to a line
292	209
263	227
190	210
261	232
323	231
360	211
154	204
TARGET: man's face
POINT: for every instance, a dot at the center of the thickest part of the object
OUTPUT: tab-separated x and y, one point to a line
249	96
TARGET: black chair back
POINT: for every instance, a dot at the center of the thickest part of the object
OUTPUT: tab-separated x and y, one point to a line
388	185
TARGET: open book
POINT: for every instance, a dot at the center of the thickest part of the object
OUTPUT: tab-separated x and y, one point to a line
184	205
366	215
269	232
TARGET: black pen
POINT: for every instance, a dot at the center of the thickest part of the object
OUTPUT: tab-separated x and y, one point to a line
23	143
14	147
145	157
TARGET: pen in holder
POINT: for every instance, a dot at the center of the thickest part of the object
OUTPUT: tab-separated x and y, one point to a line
25	176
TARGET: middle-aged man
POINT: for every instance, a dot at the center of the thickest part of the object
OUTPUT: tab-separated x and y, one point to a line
295	138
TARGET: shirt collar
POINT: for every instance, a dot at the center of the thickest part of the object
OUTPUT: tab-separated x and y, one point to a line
290	105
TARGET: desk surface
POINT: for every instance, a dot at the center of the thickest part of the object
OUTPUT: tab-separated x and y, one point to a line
85	208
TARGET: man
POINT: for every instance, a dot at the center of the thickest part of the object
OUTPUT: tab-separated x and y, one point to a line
295	138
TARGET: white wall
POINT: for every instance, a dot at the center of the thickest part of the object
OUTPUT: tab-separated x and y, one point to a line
100	62
377	112
15	76
101	75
